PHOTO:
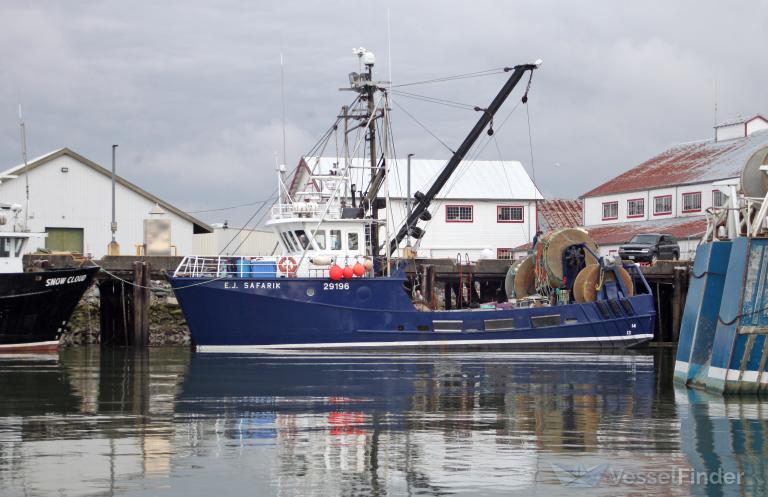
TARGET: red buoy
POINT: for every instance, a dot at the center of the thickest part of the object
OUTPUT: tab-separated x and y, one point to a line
358	269
336	273
347	273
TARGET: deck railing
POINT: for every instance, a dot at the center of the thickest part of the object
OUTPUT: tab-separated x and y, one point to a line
305	209
197	266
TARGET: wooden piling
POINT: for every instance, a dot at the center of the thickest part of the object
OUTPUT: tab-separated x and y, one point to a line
141	296
428	284
680	290
115	298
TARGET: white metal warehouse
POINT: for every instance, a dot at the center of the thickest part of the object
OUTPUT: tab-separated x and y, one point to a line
71	198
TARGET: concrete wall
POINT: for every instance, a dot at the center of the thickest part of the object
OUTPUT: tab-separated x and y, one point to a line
82	198
446	239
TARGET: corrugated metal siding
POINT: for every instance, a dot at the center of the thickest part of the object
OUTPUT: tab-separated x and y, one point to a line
81	198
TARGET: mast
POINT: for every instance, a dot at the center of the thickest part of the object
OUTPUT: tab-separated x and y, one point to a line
423	200
23	132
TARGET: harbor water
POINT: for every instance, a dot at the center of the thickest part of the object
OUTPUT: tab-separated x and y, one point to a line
167	422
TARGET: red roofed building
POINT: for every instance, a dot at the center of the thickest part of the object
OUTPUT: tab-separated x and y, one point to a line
670	192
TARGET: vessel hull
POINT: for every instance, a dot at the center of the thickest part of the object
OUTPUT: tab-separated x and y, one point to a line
295	313
35	307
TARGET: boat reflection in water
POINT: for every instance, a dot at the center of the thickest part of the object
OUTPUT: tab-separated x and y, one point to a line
85	422
165	422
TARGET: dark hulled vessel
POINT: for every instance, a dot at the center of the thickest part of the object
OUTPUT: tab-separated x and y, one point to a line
34	306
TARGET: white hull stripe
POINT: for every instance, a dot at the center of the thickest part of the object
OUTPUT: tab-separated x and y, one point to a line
53	343
681	367
415	343
723	374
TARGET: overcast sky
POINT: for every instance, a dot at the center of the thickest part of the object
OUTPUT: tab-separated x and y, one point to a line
190	90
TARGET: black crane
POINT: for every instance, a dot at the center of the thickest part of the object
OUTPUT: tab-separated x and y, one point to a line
422	200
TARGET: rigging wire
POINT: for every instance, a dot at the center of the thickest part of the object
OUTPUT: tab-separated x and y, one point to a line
232	206
533	165
321	142
435	100
476	74
424	127
526	226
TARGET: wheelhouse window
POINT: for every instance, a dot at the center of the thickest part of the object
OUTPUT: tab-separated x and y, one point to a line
662	205
719	199
610	210
352	243
692	202
10	247
320	239
335	239
458	213
509	214
288	241
505	253
302	237
636	207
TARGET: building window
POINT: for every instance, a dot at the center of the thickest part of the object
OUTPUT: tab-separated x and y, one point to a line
458	213
610	210
636	207
662	205
505	253
719	199
692	202
509	214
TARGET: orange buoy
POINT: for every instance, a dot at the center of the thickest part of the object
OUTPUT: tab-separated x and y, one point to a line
368	264
348	273
358	269
336	273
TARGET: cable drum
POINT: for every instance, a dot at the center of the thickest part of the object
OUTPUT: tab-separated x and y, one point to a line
554	244
590	280
521	279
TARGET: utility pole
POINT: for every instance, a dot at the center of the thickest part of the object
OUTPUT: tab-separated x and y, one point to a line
114	247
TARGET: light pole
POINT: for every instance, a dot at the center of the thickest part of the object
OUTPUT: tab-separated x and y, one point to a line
114	247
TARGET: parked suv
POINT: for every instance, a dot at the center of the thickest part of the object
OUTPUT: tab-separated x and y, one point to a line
649	247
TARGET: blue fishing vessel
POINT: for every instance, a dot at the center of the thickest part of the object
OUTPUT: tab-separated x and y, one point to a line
723	345
338	285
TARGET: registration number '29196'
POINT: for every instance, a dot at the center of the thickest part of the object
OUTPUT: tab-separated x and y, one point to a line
336	286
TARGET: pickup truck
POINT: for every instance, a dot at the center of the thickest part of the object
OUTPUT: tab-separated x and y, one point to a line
650	247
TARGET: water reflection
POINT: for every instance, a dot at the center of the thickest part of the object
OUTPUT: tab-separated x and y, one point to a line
166	421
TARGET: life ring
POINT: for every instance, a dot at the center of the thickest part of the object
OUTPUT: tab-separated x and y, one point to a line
287	265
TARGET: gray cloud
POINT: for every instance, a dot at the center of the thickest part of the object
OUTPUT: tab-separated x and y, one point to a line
190	90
